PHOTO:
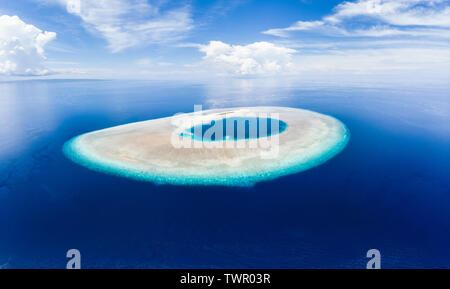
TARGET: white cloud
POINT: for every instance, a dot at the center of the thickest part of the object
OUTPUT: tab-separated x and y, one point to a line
22	47
129	23
397	12
147	62
396	61
425	24
253	59
297	26
388	18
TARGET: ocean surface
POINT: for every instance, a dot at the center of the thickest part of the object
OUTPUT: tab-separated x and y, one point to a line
388	190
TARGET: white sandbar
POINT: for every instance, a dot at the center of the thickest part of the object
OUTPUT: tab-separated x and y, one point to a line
144	151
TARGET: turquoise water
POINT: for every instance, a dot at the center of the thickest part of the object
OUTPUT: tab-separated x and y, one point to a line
236	128
75	150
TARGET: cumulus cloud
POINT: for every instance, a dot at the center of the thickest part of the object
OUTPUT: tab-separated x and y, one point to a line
253	59
129	23
385	18
22	47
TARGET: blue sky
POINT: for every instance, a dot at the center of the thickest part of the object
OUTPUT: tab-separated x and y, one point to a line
235	38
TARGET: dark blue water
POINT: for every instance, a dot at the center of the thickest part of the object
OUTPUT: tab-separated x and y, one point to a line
236	128
389	189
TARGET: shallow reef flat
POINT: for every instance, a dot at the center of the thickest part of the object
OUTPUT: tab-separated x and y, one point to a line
163	151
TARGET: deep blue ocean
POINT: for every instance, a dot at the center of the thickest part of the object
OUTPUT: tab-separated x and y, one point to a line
388	190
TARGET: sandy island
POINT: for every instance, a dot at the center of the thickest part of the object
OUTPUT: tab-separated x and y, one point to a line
155	151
